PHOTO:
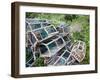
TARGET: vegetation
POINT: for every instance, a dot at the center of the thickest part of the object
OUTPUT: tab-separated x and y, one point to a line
39	62
83	35
53	17
68	19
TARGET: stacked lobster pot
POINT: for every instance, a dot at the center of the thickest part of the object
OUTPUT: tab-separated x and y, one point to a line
52	43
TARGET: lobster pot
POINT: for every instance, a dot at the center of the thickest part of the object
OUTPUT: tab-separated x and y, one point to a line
63	29
51	46
79	51
61	58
